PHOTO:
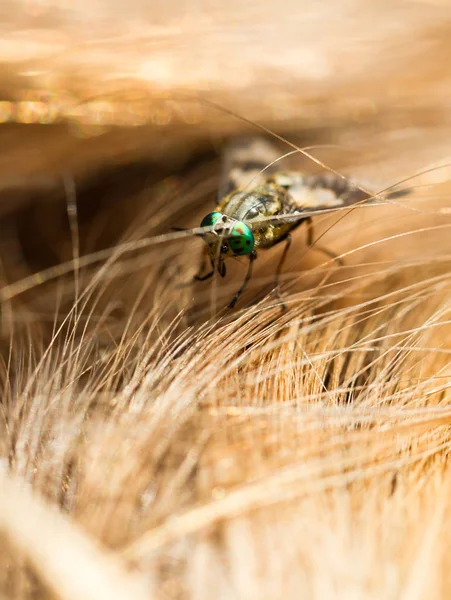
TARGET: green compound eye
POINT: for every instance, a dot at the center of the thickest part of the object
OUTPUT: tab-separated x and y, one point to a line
210	219
241	239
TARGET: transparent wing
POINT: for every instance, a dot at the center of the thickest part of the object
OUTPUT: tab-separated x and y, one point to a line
319	192
244	159
327	190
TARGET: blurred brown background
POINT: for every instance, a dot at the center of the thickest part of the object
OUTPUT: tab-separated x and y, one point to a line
80	68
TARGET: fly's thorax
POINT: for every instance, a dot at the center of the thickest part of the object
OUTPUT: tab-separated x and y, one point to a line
251	205
256	206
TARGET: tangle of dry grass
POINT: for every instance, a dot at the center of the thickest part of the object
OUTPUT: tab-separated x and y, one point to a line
171	449
153	444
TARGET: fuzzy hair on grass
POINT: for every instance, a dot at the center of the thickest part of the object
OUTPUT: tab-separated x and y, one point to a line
156	445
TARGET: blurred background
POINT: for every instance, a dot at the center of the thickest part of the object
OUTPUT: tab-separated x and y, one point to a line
89	84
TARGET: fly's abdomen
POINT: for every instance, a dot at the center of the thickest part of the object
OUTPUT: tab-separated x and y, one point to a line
315	192
342	188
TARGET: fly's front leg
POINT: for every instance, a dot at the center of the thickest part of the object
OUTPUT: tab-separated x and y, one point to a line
311	243
198	276
203	277
252	257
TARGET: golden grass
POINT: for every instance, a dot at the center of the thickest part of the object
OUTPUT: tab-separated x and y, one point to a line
157	446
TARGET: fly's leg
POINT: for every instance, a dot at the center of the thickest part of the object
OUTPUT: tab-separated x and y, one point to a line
203	277
279	271
322	249
252	257
219	267
198	276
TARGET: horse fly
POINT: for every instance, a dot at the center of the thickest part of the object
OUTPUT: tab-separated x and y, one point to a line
259	207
